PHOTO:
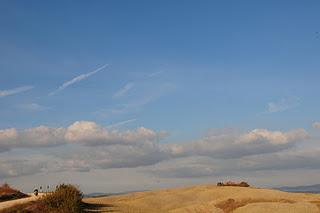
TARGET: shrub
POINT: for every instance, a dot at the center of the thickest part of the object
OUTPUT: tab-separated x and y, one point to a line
65	199
8	193
244	184
230	183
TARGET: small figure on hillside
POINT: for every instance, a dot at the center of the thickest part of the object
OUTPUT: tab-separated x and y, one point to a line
35	192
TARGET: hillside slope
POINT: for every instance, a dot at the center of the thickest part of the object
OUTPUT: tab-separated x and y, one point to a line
7	193
209	198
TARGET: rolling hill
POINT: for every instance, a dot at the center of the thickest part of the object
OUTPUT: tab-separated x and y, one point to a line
208	198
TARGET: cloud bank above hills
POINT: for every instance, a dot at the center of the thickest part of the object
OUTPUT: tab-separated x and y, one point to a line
85	145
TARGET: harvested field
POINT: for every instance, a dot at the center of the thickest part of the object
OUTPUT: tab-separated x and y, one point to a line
209	198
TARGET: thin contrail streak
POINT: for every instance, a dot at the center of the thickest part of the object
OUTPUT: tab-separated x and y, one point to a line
4	93
124	90
77	79
120	123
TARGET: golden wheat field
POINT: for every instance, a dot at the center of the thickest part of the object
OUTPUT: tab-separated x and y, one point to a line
209	198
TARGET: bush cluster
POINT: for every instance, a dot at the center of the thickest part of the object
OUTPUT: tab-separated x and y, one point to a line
8	193
230	183
65	199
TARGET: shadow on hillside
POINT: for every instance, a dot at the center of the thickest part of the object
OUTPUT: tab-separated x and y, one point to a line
95	207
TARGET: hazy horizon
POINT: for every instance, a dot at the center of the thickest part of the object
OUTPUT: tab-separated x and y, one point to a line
120	96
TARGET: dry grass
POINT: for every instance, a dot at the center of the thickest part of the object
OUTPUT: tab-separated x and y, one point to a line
8	193
5	188
17	209
210	199
32	207
65	199
231	204
317	203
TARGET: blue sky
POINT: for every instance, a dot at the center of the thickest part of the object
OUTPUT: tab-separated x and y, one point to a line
184	67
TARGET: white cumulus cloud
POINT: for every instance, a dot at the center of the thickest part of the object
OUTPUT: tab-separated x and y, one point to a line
316	125
273	137
139	147
231	144
80	132
91	134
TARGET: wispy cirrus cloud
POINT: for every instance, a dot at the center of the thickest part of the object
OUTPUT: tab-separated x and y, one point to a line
76	79
283	104
121	123
17	90
130	85
155	73
121	92
32	107
145	98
